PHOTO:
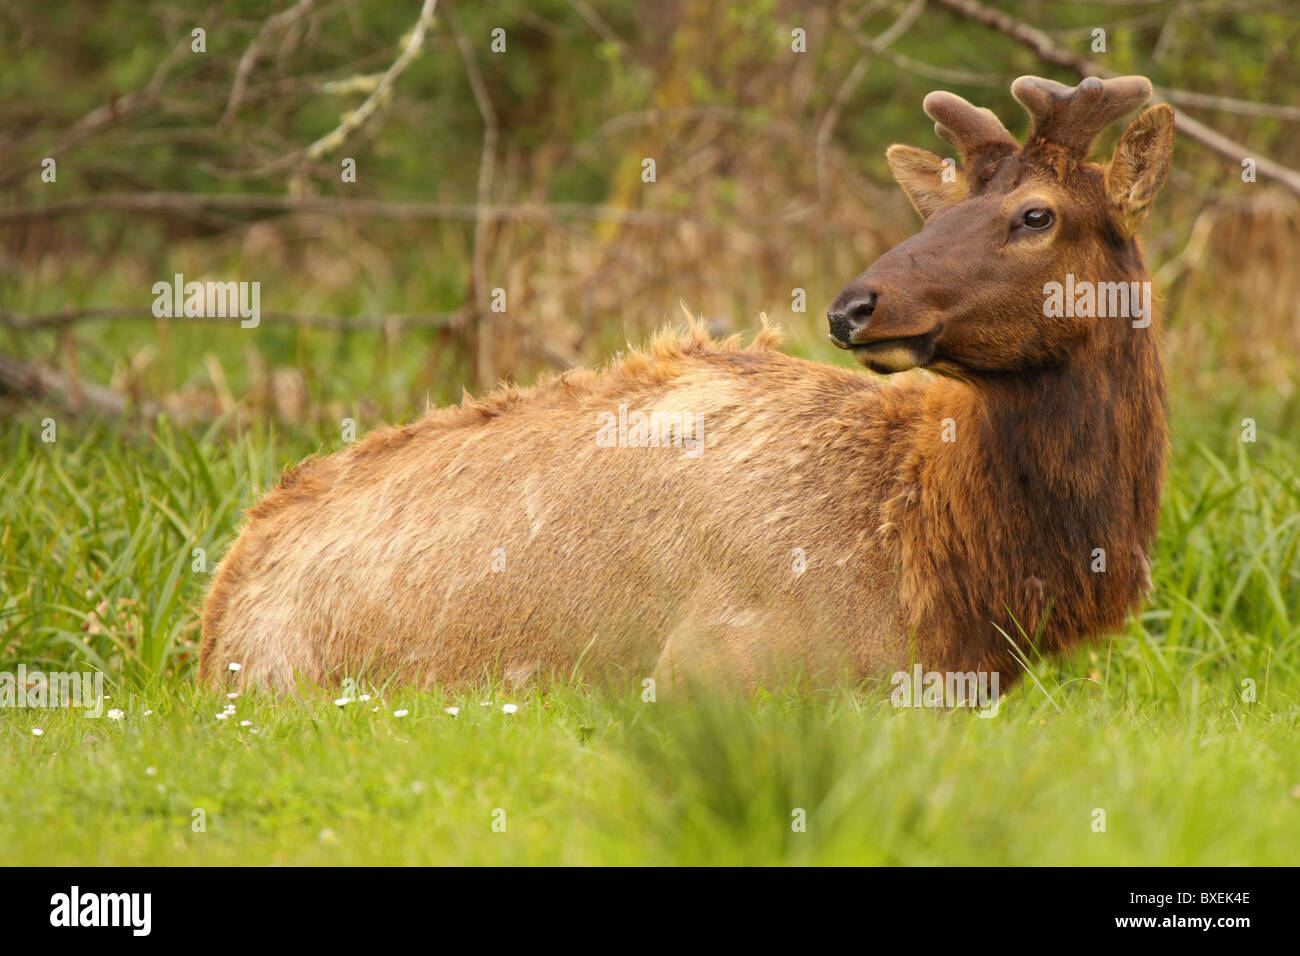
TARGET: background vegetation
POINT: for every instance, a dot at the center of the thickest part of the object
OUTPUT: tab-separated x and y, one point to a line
522	171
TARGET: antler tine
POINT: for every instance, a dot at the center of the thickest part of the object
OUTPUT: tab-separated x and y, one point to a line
1072	116
976	132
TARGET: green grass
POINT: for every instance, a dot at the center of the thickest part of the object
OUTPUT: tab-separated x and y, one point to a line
1155	725
590	778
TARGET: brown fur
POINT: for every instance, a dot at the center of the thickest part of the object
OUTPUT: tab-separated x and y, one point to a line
637	562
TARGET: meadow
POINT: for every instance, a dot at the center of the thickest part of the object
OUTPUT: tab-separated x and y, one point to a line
1181	729
131	444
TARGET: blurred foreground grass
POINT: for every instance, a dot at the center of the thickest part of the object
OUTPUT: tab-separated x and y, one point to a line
586	778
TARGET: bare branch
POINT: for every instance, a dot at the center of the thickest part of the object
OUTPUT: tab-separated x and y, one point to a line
162	203
279	21
879	45
603	29
337	323
115	110
382	92
379	97
482	221
1228	104
826	128
1047	50
32	381
902	24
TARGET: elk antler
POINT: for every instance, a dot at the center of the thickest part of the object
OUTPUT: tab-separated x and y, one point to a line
1072	116
975	131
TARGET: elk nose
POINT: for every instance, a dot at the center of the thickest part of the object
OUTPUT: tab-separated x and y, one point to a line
851	316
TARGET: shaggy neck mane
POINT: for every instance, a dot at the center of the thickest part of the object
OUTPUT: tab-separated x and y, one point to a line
1046	468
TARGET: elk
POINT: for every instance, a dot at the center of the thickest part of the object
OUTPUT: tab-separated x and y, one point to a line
706	510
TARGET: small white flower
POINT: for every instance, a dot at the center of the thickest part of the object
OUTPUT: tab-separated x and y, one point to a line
451	710
400	713
234	666
342	701
148	712
151	771
116	714
232	695
509	708
229	709
363	698
37	732
222	716
245	723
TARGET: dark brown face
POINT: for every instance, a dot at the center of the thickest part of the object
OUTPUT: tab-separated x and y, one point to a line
969	294
965	294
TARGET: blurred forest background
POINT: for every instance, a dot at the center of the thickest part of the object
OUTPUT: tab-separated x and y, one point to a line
521	169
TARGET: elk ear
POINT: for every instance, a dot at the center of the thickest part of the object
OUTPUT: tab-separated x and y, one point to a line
1140	165
929	181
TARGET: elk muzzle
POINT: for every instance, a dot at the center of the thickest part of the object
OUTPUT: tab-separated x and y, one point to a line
878	329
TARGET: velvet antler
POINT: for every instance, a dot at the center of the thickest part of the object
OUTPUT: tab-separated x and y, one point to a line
976	132
1071	116
1067	117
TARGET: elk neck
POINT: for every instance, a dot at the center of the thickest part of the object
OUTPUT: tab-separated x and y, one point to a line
1045	468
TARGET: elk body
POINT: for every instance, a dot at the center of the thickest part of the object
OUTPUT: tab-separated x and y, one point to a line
794	516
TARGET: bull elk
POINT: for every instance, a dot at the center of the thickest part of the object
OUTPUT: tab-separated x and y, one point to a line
708	510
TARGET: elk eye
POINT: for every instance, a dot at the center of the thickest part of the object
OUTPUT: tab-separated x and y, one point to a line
1038	218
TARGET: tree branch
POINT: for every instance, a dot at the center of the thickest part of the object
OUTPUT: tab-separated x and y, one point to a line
1047	50
338	323
482	222
278	21
161	203
36	382
378	98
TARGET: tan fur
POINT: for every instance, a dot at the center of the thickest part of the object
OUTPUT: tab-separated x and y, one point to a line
626	563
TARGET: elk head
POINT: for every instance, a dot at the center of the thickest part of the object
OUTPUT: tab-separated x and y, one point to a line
965	296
